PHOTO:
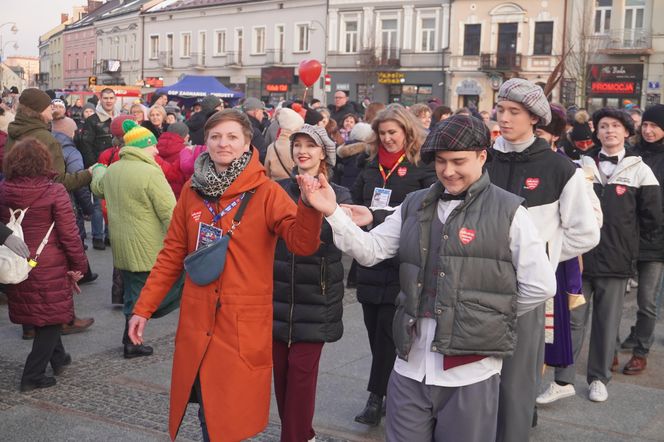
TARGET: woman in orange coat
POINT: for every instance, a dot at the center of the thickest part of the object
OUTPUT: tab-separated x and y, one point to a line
223	345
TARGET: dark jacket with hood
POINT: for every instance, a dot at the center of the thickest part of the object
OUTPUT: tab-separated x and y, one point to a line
652	248
45	298
196	126
95	136
24	127
81	197
347	167
257	139
379	284
308	290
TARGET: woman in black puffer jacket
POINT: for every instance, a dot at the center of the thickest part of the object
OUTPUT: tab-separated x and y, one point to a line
393	164
308	291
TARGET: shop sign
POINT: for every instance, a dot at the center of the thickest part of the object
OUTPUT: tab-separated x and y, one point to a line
391	77
343	86
605	87
154	82
276	87
616	72
469	87
653	85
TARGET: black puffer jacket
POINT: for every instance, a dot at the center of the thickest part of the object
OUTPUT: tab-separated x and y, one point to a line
379	284
308	290
652	248
95	137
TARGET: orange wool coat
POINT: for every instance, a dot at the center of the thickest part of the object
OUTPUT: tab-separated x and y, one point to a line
225	328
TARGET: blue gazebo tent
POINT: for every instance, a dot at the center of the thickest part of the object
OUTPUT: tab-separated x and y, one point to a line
193	86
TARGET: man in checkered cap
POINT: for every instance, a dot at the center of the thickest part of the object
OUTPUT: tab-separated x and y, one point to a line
465	277
558	201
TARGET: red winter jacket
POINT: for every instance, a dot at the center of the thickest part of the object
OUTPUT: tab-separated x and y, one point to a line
170	145
45	298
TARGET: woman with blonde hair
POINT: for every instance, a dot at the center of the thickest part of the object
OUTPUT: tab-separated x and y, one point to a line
392	171
156	122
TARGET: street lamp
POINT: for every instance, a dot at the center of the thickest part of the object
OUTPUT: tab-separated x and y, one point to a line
13	30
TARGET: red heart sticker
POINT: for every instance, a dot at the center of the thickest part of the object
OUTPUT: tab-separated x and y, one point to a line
402	171
466	236
620	190
532	183
196	216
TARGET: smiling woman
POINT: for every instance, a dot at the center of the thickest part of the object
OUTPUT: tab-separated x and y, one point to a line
225	326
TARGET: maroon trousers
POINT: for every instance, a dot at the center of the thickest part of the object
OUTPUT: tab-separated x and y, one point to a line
295	377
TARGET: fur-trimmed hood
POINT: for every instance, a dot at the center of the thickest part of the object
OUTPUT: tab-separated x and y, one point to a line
350	149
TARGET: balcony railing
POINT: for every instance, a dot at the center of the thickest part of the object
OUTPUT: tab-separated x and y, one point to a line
633	41
197	60
165	59
234	59
388	57
500	62
274	56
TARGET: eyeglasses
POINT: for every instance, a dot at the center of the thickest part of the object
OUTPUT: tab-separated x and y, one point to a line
495	133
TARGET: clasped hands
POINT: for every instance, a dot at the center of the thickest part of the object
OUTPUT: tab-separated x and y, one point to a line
319	194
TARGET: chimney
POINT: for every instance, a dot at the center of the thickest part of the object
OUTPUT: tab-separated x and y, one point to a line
64	17
93	4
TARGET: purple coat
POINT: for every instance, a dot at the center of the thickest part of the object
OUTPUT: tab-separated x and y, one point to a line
45	298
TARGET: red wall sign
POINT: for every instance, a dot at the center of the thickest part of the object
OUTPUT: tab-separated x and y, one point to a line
605	87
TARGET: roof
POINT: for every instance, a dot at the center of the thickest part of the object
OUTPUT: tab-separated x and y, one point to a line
89	19
123	7
175	5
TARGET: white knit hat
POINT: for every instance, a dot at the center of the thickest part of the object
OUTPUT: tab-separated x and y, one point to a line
361	132
289	119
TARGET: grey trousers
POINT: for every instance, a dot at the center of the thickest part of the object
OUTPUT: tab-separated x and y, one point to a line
650	282
607	296
417	412
520	378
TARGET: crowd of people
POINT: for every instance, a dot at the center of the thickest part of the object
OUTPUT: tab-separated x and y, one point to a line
479	242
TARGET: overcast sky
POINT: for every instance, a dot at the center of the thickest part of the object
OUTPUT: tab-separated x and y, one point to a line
33	18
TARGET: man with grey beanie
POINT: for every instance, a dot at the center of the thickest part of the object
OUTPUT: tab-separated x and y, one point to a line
465	278
557	199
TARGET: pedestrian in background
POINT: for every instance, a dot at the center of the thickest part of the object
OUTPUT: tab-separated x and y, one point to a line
650	264
393	170
308	294
44	300
223	350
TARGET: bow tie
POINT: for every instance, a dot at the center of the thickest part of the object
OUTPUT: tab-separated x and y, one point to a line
613	159
450	197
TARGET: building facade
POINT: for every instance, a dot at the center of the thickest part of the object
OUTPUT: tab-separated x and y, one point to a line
251	46
80	44
621	60
119	52
492	41
29	67
388	51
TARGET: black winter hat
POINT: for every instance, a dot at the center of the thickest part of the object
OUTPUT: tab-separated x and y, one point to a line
312	117
654	114
580	127
457	133
558	121
612	112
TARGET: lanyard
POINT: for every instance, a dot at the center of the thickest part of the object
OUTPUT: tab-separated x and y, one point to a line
382	171
217	216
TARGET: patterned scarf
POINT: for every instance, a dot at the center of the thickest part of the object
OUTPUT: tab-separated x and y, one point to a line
213	184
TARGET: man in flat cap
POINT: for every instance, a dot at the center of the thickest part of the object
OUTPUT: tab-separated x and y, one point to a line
465	277
558	201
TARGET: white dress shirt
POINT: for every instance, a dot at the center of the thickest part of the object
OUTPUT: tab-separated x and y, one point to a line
535	278
607	167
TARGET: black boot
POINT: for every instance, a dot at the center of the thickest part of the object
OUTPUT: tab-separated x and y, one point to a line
372	412
131	350
88	277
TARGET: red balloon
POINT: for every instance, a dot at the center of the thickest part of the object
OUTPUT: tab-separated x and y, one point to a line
309	71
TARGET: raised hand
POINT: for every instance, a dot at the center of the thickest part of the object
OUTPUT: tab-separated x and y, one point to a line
318	193
361	215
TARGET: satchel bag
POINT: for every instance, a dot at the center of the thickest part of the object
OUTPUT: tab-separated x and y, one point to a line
205	265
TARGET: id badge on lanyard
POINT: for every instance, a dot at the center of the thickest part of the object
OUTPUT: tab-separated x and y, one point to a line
381	196
209	233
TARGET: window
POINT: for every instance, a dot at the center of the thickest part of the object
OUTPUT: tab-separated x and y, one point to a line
471	39
202	43
603	16
185	48
220	42
279	38
239	43
154	46
169	50
427	34
350	34
302	37
133	47
543	38
258	41
388	38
